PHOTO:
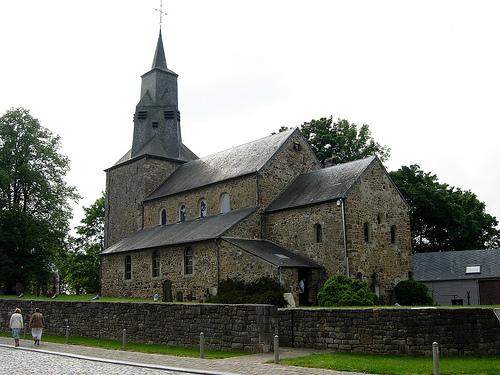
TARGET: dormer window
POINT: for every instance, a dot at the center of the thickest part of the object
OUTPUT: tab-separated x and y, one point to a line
142	115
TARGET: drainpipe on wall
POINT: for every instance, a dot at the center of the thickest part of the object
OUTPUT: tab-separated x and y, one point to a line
345	237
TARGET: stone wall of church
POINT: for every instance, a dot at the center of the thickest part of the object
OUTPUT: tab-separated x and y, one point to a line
143	285
294	229
126	187
288	163
375	200
236	263
242	192
247	228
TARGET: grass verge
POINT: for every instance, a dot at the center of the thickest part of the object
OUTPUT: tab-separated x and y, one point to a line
135	347
78	298
397	365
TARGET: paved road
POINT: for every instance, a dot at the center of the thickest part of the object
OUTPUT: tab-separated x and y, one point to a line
30	362
257	364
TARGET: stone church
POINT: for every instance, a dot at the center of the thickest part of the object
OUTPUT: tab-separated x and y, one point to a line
177	225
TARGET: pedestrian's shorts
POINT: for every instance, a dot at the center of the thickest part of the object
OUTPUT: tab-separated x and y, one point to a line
16	333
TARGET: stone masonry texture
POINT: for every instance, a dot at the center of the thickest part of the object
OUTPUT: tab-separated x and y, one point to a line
461	331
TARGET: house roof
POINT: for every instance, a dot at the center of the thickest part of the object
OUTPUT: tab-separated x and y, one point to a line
452	265
321	185
271	253
180	233
234	162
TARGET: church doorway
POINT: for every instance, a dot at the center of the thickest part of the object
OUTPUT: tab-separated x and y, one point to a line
304	287
167	291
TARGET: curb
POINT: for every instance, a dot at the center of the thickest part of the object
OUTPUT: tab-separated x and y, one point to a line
118	362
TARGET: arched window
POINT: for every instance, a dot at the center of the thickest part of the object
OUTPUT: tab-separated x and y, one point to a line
366	232
188	261
318	233
393	234
163	216
225	203
155	264
182	213
128	267
203	208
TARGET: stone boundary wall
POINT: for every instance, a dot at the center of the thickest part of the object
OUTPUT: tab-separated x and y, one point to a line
461	331
227	327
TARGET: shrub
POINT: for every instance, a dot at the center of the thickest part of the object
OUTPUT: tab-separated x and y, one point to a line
344	291
263	291
412	293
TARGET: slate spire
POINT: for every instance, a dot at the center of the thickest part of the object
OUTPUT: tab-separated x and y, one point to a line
159	60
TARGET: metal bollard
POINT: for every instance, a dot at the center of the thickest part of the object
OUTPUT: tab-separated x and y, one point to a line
124	339
202	345
276	349
66	340
435	357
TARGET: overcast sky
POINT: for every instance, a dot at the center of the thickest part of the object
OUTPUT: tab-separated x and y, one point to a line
425	75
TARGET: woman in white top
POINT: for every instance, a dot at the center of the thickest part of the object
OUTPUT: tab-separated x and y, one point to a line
16	324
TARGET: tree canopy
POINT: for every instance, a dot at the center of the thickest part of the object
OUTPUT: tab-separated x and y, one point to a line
444	217
79	267
341	140
34	199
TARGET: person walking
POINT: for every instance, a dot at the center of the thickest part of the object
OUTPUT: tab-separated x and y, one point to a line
16	324
36	324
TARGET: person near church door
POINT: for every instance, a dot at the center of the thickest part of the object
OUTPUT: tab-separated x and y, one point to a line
16	324
302	291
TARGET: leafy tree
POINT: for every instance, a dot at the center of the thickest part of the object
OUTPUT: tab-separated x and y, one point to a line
34	200
341	290
444	217
412	293
80	266
341	140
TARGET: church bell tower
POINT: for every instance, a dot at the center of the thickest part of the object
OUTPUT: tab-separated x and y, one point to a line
157	150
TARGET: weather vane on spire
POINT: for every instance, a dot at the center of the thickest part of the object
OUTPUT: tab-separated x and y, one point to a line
161	12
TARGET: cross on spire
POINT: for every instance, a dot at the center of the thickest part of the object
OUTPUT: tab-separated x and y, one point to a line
161	12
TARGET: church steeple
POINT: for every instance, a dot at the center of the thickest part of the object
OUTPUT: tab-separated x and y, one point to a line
157	129
159	60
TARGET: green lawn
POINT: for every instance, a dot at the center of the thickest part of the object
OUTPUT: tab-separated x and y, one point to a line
79	298
397	365
135	347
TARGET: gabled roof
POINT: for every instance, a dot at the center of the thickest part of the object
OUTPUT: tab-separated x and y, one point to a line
452	265
234	162
271	253
322	185
180	233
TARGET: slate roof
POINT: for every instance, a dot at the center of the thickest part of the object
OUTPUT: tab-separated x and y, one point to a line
155	148
271	253
180	233
321	185
234	162
451	265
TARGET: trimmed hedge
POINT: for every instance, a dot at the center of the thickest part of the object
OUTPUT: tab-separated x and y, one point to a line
412	293
344	291
262	291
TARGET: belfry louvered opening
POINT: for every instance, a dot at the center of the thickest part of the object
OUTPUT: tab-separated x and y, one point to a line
142	115
170	115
